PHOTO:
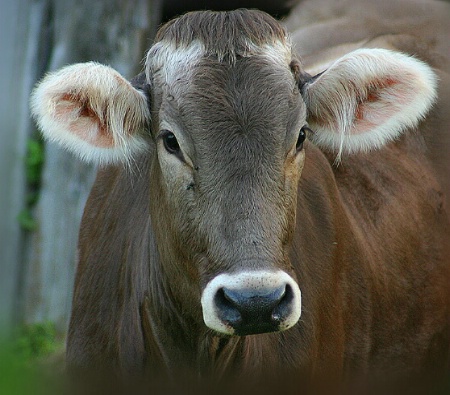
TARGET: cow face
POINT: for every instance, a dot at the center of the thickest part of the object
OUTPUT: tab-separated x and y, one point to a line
229	143
229	111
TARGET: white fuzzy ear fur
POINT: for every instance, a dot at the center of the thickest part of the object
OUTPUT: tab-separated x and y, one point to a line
368	98
93	111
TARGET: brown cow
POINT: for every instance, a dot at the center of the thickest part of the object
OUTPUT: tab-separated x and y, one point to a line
245	191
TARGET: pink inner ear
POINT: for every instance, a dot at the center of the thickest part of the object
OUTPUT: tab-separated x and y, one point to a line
83	121
381	101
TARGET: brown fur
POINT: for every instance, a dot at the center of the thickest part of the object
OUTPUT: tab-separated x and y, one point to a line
370	251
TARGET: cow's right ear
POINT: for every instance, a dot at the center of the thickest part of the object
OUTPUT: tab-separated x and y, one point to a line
93	111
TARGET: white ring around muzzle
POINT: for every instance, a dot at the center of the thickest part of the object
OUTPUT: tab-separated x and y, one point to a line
248	280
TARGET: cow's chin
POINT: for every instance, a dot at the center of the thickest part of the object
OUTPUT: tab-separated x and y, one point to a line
251	302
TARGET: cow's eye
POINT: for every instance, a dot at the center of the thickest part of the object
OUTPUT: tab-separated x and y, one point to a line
170	142
301	138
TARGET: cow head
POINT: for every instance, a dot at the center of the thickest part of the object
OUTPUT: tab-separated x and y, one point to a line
224	109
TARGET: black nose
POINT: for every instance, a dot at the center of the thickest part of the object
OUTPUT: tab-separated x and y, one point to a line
250	311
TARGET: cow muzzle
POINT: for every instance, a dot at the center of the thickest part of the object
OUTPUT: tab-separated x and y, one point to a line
248	303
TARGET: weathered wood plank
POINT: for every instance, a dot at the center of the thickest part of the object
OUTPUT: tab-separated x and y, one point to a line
19	22
37	268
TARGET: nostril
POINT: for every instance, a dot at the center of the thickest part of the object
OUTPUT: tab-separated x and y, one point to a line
258	310
231	296
226	307
283	308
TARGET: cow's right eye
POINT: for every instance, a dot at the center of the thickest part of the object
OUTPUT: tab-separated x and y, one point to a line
170	142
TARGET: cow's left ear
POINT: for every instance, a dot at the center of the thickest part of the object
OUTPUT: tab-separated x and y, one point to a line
368	98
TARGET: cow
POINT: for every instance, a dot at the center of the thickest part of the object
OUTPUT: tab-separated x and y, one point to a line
271	208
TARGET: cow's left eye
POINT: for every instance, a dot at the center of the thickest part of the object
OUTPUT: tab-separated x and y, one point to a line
170	142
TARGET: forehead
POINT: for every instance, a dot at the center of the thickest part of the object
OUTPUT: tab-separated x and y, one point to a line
203	91
225	78
227	74
251	93
224	36
171	65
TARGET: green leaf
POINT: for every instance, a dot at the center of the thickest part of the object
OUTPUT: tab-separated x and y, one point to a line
34	161
26	220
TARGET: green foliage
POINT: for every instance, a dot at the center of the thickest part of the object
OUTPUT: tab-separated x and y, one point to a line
26	220
23	357
34	162
35	341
